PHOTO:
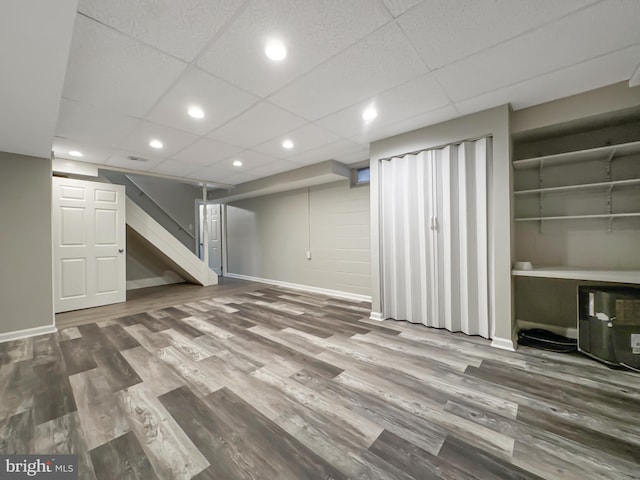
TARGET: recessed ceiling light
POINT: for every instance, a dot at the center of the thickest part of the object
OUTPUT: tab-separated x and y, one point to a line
75	153
369	114
288	144
275	50
237	163
195	112
155	143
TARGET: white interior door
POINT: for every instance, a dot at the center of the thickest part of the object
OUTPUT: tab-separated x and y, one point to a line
214	234
89	244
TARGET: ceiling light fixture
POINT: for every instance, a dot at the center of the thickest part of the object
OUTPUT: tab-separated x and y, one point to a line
75	153
369	114
275	50
155	143
288	144
237	163
195	112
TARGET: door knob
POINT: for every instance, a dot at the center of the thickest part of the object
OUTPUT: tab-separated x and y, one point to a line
121	250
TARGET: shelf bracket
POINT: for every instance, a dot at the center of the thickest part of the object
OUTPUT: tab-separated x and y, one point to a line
610	226
540	194
609	200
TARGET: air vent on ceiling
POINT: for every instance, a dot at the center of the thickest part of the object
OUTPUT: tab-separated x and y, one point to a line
137	159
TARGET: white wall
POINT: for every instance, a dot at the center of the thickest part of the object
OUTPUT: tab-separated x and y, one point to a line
26	298
268	237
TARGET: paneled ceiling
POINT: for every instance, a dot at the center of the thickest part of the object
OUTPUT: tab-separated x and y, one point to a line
135	67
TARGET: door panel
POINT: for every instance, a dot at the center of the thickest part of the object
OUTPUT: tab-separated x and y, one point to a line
214	232
106	275
73	278
89	241
215	245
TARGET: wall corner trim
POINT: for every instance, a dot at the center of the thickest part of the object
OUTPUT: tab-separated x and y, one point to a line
26	333
307	288
377	316
503	344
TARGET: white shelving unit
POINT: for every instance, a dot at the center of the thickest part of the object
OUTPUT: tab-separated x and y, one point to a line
563	168
590	274
579	155
586	186
576	215
606	153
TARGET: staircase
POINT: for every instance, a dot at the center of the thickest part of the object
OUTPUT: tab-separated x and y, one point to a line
185	262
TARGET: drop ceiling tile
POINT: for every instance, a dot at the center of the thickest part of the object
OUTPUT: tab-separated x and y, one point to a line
595	73
238	178
312	30
444	31
250	160
421	95
439	115
107	68
260	123
206	152
597	30
381	61
94	124
272	168
219	100
119	158
342	150
398	7
173	140
177	27
177	169
90	153
304	138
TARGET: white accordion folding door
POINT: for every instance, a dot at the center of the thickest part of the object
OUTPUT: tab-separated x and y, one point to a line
434	224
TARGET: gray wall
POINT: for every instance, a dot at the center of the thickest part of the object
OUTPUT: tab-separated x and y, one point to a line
268	237
146	267
175	198
26	296
493	122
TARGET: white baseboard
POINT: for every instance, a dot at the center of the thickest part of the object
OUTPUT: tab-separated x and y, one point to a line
376	316
503	344
307	288
28	332
570	332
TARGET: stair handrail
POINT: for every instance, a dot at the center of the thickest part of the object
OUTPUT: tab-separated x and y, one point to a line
173	219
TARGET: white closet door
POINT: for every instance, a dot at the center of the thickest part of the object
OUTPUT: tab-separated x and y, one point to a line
434	238
408	241
89	244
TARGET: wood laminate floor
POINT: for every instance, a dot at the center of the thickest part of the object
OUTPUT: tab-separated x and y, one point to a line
268	383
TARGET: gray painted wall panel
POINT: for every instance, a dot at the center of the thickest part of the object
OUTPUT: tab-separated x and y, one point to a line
26	256
268	237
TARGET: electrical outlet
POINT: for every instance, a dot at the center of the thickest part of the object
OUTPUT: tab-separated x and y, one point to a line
308	254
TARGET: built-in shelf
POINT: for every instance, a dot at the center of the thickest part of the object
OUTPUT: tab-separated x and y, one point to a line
585	186
579	155
578	217
572	273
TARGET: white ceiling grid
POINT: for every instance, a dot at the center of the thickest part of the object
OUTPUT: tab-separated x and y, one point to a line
135	68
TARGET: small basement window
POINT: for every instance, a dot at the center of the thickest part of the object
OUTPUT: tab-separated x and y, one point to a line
360	176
